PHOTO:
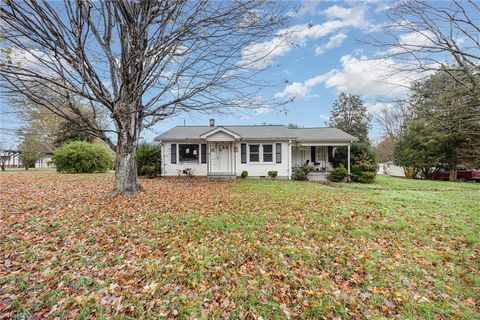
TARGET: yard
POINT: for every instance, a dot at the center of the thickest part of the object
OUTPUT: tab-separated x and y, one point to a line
243	249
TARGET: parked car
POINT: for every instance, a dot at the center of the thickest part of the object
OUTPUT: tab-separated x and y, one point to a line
463	174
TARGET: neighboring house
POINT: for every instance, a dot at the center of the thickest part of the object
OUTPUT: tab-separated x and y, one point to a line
228	150
393	170
12	159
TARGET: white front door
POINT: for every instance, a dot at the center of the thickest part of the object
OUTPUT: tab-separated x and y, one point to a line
221	158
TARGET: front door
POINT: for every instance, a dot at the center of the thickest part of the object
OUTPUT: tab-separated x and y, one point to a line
221	158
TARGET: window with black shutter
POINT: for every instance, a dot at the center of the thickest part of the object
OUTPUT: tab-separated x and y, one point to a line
188	152
204	153
278	151
243	152
173	153
267	153
254	152
313	154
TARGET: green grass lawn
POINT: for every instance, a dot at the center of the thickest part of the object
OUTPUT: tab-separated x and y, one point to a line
245	249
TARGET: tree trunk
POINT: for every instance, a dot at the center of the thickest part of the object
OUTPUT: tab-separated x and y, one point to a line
452	169
126	180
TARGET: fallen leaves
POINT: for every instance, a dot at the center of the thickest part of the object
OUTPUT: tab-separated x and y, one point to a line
192	248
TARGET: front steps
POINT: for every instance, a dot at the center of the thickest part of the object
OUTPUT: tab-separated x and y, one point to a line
221	177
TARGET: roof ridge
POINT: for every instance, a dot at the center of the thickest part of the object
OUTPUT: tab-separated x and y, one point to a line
316	128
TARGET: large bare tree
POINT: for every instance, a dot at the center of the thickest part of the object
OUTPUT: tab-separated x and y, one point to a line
140	61
430	36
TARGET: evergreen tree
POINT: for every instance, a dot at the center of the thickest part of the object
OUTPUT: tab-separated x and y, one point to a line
451	117
350	115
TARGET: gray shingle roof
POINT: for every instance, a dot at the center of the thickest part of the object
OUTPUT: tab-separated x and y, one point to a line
322	134
259	132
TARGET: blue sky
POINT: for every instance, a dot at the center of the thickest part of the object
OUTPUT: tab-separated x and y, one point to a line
326	57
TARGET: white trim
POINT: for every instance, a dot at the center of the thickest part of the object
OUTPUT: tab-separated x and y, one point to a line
323	144
218	129
290	159
348	158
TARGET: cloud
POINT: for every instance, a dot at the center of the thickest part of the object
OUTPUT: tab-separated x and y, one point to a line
355	15
334	42
410	42
263	110
358	75
325	117
309	8
376	107
301	90
377	77
262	54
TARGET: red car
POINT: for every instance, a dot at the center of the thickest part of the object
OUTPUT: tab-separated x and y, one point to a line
463	174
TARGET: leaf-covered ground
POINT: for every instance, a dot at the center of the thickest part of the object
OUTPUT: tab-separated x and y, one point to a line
243	249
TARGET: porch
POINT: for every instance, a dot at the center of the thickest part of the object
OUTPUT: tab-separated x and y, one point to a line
319	156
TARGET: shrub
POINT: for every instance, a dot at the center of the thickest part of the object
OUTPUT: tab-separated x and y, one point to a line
366	177
150	171
300	172
82	157
188	172
149	160
244	174
29	158
338	174
357	151
273	174
365	170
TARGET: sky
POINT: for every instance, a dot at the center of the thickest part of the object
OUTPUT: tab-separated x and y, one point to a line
327	56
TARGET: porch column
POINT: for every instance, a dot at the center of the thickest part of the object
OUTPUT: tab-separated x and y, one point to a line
209	158
348	158
290	159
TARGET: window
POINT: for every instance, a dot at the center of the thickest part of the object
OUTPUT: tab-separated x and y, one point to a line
188	152
278	150
254	153
267	153
243	151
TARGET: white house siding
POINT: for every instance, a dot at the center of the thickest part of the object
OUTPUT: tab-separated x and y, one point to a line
261	168
255	169
172	169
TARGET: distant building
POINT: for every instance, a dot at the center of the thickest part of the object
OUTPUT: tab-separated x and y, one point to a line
12	159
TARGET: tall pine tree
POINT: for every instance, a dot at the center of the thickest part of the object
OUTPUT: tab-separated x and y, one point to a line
351	115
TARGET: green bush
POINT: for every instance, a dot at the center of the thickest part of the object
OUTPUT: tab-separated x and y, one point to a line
82	157
300	172
365	170
244	174
149	171
366	177
149	160
273	174
338	174
358	150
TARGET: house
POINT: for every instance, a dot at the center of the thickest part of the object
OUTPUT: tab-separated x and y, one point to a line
226	151
11	158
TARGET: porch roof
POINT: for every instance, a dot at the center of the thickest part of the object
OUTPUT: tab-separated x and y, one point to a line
325	134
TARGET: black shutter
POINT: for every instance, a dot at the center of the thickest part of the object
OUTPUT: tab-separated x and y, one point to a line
278	151
243	149
173	154
313	154
330	154
203	152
